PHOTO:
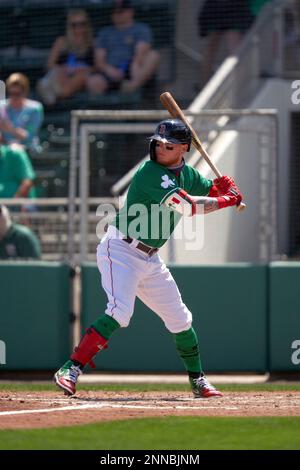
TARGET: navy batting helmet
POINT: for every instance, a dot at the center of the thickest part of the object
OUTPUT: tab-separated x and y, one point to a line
172	131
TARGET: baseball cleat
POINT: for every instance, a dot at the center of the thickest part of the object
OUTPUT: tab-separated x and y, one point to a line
66	378
203	389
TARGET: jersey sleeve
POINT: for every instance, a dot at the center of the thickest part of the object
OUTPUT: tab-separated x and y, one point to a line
200	186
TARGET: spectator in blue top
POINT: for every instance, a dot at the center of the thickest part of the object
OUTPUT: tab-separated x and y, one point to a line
20	117
70	60
124	57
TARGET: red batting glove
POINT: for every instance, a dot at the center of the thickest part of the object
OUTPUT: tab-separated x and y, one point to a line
213	191
223	184
234	190
229	200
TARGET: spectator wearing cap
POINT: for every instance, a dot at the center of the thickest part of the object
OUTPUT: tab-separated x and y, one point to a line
20	117
16	241
124	58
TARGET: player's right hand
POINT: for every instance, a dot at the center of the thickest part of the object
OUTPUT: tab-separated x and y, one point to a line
234	190
226	187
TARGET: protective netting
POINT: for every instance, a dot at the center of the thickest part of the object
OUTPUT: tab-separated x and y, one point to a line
190	52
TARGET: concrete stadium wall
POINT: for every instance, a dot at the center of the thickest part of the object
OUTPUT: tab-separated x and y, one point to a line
284	322
34	315
229	310
246	316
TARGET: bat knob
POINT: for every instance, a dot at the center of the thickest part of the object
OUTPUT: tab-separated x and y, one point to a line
241	207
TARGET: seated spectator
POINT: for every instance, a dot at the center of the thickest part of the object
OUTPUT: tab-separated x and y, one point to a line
20	117
291	26
70	60
219	20
16	173
124	57
16	241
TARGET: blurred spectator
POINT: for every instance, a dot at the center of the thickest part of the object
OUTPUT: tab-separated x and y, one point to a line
256	6
16	241
20	118
70	60
218	19
16	173
292	23
124	56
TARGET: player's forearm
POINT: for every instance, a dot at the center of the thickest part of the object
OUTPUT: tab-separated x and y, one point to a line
206	204
211	204
188	205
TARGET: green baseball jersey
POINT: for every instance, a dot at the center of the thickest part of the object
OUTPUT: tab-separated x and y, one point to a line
19	242
144	215
15	167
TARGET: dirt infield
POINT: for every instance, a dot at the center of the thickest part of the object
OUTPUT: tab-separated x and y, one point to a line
49	409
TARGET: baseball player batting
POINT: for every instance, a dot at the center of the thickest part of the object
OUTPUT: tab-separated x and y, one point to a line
130	264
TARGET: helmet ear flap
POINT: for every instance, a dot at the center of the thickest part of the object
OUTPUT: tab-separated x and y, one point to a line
152	149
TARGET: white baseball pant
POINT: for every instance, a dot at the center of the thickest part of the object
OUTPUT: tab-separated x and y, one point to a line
127	272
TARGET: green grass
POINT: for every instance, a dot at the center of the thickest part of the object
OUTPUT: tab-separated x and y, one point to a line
171	433
47	386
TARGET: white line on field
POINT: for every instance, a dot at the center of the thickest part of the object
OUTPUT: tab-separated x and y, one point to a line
105	405
84	401
44	410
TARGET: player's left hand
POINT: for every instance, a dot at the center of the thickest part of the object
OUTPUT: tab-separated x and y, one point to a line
223	184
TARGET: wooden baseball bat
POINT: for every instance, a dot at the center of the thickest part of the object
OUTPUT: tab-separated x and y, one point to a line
170	104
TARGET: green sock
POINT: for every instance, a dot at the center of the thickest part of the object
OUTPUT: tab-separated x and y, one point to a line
105	326
188	349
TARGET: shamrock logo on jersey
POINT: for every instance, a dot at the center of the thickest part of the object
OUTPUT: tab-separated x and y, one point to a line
167	182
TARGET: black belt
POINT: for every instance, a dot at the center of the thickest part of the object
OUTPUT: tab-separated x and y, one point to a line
141	246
